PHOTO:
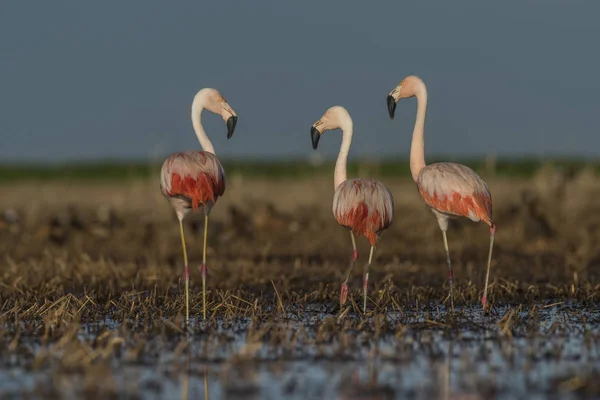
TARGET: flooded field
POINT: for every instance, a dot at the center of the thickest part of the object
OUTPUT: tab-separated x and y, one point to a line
91	300
550	350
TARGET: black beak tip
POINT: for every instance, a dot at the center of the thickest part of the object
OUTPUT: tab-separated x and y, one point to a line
231	123
391	104
315	136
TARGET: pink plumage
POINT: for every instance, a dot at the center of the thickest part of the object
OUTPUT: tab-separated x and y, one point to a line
455	190
365	206
196	177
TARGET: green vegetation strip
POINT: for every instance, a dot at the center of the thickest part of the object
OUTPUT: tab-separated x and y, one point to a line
103	171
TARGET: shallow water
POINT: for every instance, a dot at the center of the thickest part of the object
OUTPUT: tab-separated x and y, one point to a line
539	351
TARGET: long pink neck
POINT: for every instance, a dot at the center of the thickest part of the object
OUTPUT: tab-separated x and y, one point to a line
417	147
205	142
340	165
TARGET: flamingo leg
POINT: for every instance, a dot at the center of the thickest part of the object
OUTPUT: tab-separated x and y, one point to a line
450	272
203	270
366	280
344	290
186	273
487	274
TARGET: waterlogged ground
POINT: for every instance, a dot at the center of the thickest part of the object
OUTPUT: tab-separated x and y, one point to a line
545	350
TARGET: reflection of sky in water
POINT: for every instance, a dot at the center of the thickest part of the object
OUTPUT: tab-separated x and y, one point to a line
299	359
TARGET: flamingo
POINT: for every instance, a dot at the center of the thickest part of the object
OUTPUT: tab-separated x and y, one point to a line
364	206
450	190
195	179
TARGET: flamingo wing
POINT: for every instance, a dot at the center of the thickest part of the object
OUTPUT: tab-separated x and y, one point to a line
365	206
455	189
196	176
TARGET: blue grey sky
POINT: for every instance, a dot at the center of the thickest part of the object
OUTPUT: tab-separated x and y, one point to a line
115	79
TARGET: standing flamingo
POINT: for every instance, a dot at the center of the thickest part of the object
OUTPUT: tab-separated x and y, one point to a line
195	179
364	206
451	190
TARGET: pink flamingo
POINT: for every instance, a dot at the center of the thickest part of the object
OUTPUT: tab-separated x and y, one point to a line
364	206
195	179
451	190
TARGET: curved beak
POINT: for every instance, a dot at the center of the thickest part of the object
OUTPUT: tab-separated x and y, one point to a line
391	104
231	122
315	136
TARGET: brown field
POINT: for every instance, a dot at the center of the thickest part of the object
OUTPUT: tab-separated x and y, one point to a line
104	259
126	234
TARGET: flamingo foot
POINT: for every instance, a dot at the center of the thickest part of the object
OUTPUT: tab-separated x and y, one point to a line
343	294
484	302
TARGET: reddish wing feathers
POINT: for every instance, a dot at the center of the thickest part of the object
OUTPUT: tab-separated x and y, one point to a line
196	175
358	220
455	189
365	206
478	204
199	190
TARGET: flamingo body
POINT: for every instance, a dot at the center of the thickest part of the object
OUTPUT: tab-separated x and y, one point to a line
364	206
449	189
455	190
195	178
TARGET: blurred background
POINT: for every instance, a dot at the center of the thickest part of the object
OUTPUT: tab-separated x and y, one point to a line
114	81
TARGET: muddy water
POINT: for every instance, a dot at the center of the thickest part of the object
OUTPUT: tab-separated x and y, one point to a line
539	351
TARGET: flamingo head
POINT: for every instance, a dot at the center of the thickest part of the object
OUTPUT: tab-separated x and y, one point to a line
214	102
407	88
334	118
